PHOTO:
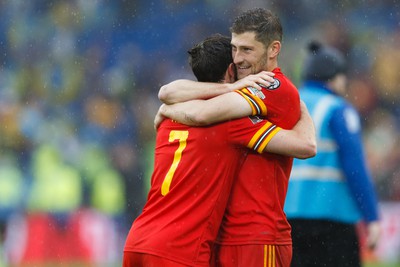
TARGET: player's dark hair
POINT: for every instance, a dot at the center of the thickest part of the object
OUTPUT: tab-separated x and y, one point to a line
210	58
262	22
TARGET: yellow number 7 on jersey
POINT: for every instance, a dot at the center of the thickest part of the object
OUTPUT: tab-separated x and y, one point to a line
182	136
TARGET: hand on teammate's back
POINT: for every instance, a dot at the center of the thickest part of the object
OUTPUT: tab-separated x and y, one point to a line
159	118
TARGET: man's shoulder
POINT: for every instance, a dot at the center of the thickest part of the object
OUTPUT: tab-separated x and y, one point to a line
282	80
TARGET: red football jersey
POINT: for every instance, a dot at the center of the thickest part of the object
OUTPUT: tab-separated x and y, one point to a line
254	213
193	174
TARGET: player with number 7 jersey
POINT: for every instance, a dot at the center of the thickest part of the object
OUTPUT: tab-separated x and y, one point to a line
193	175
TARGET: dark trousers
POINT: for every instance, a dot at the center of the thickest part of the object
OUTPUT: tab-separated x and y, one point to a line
324	243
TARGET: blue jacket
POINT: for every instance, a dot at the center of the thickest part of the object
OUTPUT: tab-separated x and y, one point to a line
336	183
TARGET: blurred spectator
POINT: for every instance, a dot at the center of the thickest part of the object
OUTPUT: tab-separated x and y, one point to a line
331	193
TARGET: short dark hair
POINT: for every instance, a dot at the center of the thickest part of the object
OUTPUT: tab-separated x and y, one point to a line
210	58
266	25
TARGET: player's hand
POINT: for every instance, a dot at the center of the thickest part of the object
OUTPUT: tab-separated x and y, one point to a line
159	118
257	81
373	234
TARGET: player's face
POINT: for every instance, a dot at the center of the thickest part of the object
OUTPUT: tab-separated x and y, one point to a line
249	55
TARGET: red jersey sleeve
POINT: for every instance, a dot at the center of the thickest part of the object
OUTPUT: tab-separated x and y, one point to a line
255	100
255	129
279	103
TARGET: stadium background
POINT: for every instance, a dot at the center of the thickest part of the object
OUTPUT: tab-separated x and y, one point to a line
78	94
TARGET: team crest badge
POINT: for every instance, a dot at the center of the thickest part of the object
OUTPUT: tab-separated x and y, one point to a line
275	85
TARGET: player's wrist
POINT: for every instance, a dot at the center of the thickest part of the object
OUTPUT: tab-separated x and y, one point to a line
228	87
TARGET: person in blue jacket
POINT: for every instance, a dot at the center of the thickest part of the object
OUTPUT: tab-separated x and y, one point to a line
330	193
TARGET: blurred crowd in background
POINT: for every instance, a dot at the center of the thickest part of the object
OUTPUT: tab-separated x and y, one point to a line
78	95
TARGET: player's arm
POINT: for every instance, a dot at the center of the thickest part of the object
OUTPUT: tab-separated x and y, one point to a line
185	90
205	112
300	142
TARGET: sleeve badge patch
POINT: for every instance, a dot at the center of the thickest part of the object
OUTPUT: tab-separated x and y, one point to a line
256	92
275	85
255	119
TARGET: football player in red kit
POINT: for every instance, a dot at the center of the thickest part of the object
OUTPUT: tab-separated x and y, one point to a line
194	171
254	230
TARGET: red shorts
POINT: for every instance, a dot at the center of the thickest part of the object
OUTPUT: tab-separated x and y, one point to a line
252	256
134	259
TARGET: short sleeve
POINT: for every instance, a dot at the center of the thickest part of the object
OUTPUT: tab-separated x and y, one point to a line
252	132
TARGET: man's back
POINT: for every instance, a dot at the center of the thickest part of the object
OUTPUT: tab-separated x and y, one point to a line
193	173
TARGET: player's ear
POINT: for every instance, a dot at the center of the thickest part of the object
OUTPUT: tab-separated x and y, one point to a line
274	49
231	73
